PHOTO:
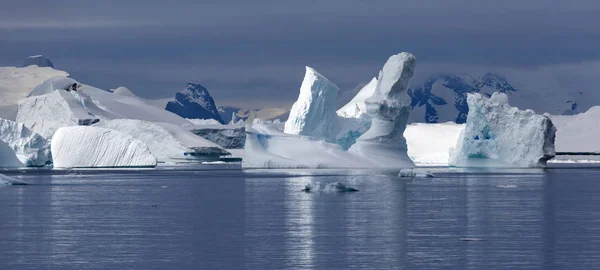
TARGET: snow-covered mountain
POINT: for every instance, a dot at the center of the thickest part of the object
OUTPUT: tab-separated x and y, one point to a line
443	98
38	60
228	113
194	102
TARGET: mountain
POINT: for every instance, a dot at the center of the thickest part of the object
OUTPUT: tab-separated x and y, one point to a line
194	102
443	98
38	60
229	112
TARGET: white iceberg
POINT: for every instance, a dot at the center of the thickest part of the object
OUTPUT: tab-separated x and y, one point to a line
498	135
313	114
167	142
325	136
357	107
46	113
16	83
429	144
578	133
8	159
389	107
55	83
93	147
31	149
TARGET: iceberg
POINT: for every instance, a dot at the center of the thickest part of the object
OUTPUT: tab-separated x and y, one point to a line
93	147
430	144
313	114
8	159
16	83
316	137
167	142
46	113
31	149
357	106
498	135
55	83
578	133
389	108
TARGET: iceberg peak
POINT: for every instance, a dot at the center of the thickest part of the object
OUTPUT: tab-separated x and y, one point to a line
313	114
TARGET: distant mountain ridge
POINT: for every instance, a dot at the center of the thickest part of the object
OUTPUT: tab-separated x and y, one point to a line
194	102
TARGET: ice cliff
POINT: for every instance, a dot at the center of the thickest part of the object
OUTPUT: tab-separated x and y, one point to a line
498	135
389	107
8	159
313	114
93	147
31	149
167	142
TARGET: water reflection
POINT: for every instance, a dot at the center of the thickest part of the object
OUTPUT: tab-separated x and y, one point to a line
299	223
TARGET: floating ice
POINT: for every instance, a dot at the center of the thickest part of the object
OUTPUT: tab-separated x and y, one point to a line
31	149
412	173
331	187
313	114
325	136
167	142
93	147
8	159
498	135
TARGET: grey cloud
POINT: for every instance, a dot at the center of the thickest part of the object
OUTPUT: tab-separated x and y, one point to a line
246	50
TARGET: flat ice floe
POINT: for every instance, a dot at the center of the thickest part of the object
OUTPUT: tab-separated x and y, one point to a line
93	147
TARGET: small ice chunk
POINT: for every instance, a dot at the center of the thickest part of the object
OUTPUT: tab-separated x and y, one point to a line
5	180
470	239
338	187
507	186
414	173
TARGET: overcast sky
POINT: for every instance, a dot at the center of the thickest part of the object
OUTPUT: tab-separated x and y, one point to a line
254	52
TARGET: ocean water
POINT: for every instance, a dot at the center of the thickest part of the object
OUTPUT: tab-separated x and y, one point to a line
221	217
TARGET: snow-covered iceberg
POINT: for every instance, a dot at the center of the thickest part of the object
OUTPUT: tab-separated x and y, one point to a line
578	133
16	83
194	102
389	107
31	149
93	147
317	137
313	114
46	113
167	142
430	144
8	159
498	135
357	107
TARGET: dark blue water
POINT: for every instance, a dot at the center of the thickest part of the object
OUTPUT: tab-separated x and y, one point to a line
224	218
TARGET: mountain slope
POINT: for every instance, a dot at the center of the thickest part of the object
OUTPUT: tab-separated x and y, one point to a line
194	102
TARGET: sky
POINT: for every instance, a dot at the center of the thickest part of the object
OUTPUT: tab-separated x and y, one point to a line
253	53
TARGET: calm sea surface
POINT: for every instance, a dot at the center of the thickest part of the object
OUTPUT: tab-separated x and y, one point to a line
220	217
